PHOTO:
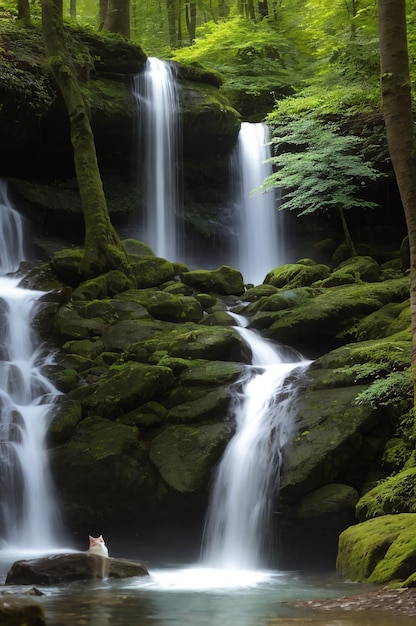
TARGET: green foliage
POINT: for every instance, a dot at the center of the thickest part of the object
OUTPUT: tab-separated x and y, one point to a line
252	56
24	76
319	169
395	387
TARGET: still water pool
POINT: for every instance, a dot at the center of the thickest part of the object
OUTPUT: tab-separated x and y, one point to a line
197	596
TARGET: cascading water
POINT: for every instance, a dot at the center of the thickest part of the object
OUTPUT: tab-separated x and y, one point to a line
238	528
157	97
28	516
259	226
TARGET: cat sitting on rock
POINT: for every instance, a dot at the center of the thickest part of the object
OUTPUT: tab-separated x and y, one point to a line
98	548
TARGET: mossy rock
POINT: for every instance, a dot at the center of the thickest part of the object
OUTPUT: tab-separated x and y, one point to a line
330	317
330	499
70	325
396	494
150	271
380	550
126	387
218	318
137	248
212	373
329	445
67	416
201	342
390	319
18	611
92	289
84	348
148	415
185	455
294	275
207	300
165	306
212	405
65	264
259	291
121	335
224	281
107	454
355	269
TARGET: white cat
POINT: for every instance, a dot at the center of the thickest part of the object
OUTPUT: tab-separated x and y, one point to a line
97	546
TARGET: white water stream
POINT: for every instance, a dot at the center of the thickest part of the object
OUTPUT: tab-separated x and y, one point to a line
28	516
157	98
238	533
260	244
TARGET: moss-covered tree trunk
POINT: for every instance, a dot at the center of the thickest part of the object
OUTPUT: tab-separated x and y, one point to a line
102	246
397	112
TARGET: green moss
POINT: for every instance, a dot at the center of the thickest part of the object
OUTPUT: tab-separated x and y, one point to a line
396	494
379	550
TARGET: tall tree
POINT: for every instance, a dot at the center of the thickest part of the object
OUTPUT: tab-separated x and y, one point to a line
397	112
117	17
102	247
23	12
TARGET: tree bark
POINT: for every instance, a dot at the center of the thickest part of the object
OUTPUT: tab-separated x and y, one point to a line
117	18
23	12
102	247
397	112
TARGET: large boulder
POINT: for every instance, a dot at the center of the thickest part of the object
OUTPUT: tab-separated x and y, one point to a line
224	280
380	550
64	568
185	455
329	319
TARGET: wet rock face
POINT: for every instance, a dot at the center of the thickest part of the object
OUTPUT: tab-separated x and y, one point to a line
18	612
64	568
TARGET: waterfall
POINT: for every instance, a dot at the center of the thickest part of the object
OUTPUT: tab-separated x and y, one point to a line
259	225
157	98
28	517
238	530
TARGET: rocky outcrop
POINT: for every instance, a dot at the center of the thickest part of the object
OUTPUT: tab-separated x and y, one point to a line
150	373
65	568
380	550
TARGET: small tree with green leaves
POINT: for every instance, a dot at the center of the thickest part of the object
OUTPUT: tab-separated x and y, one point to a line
319	169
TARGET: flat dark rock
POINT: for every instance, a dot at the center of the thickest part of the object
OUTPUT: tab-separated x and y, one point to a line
62	568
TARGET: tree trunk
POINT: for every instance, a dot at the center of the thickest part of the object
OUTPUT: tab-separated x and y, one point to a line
347	233
23	12
117	18
102	247
102	13
190	13
171	10
398	118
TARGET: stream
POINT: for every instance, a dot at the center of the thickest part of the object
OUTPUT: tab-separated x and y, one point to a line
178	595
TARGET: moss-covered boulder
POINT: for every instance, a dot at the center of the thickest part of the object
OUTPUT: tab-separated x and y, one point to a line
212	373
125	387
329	444
150	271
109	474
224	280
201	342
65	264
185	455
380	550
352	270
396	494
212	405
330	318
295	275
166	306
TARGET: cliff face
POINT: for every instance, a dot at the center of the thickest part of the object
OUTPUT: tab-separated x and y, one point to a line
35	135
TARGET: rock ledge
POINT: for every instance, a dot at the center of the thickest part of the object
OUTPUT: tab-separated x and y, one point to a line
62	568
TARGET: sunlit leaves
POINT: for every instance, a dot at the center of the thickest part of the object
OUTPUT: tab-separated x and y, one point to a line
319	168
